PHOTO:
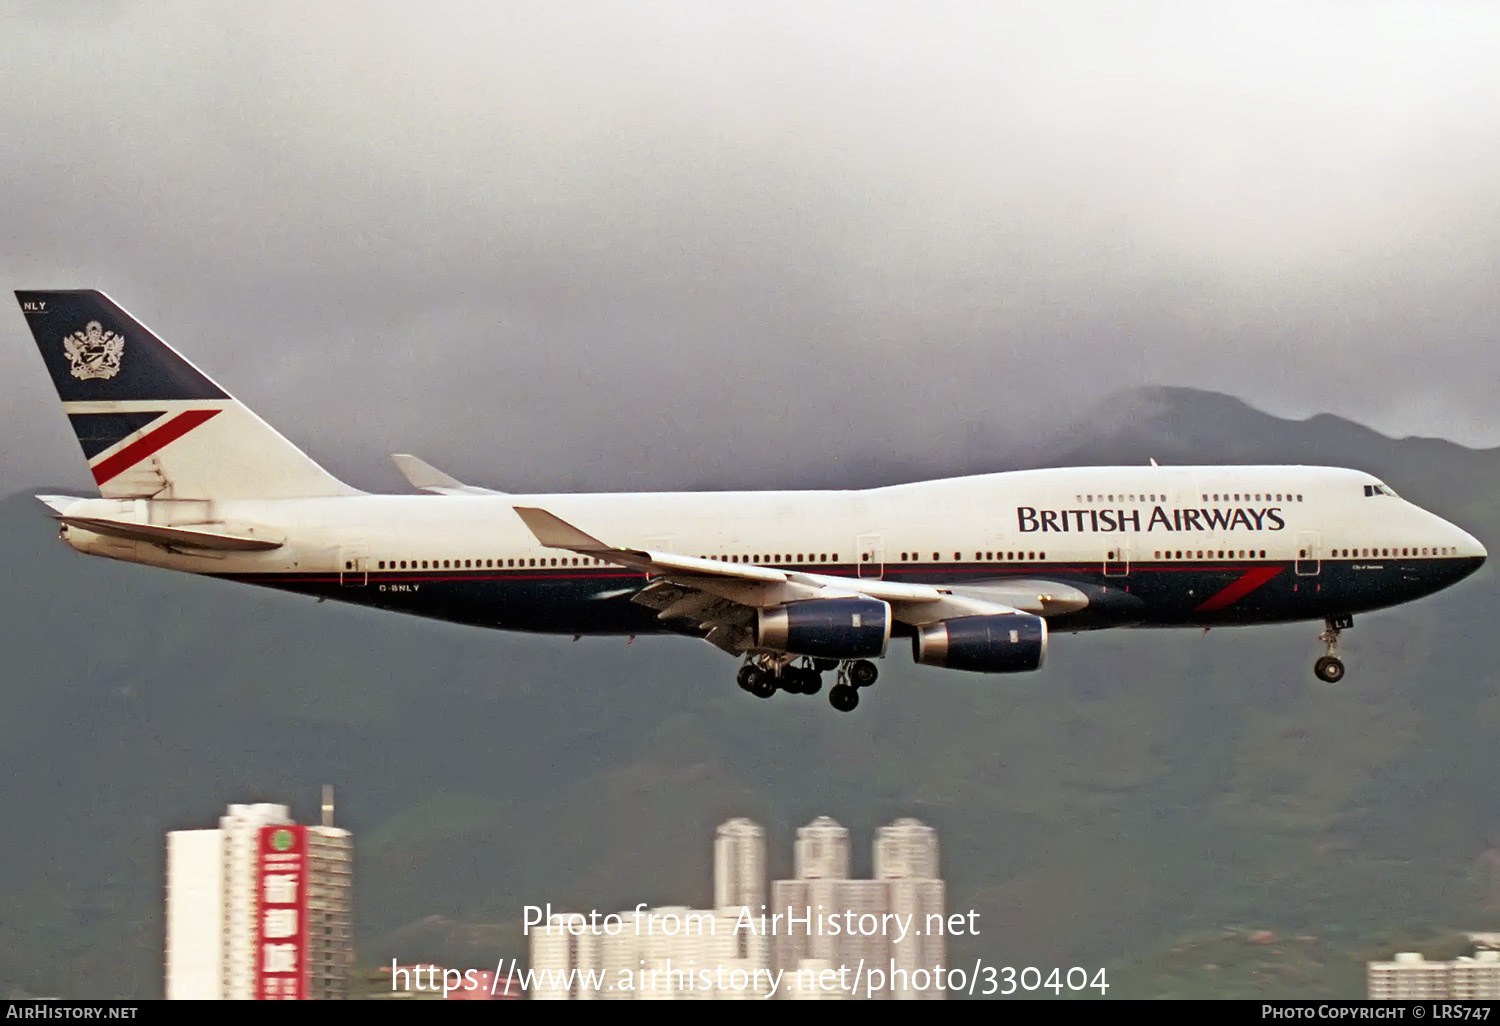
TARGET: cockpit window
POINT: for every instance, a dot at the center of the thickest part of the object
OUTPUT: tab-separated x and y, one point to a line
1378	489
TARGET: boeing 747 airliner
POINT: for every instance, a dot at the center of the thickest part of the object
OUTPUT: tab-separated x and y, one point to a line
974	572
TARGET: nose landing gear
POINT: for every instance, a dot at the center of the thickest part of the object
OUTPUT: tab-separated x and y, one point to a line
1330	668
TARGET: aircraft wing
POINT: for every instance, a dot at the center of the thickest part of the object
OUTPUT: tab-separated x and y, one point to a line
428	478
723	597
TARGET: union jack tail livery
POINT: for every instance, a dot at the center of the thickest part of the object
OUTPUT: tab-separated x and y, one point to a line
153	426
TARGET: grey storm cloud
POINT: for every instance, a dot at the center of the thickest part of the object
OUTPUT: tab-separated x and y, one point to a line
664	245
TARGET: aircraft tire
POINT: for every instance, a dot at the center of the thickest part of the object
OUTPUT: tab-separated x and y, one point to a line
1329	669
844	698
762	684
863	673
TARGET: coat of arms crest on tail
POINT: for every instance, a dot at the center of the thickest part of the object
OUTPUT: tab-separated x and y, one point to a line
94	352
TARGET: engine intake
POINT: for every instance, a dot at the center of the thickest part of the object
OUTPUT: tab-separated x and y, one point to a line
1002	643
839	628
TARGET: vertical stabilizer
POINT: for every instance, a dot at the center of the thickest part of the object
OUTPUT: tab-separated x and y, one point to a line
150	424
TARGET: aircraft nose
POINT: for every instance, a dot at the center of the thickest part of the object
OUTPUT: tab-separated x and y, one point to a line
1469	548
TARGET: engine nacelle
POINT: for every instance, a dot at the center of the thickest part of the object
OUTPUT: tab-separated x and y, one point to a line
1002	643
833	628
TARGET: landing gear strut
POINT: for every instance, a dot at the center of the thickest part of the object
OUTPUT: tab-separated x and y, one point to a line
852	676
1330	668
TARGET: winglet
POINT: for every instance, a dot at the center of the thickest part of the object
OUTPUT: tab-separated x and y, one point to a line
556	533
425	476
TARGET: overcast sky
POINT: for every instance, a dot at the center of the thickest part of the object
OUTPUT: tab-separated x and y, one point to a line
651	245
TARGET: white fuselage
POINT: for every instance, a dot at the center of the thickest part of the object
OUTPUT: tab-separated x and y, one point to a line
1111	523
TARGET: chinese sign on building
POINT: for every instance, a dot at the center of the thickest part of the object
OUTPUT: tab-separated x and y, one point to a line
281	931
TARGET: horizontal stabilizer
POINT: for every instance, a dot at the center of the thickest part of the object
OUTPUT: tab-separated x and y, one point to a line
426	477
185	536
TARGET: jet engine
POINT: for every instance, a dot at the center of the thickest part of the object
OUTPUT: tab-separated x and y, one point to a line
833	628
1000	643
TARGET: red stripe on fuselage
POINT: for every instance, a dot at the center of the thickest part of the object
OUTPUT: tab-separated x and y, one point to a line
1247	583
147	444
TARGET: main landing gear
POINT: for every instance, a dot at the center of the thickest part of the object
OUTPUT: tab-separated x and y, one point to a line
1330	668
764	675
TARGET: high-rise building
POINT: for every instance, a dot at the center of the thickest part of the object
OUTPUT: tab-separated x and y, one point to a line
806	943
906	861
260	907
1409	977
907	849
240	828
667	953
837	923
740	865
1475	978
821	851
195	915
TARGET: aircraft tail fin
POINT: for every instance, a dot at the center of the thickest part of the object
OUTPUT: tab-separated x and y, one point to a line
150	424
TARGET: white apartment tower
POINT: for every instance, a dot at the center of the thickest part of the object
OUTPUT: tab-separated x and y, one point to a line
906	861
740	865
906	883
240	828
1409	977
821	851
244	898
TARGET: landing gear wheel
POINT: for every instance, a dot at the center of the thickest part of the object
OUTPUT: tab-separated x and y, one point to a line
824	665
794	680
812	682
1329	669
843	698
762	683
863	673
746	677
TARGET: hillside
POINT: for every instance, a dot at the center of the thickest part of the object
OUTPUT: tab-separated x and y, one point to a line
1145	793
